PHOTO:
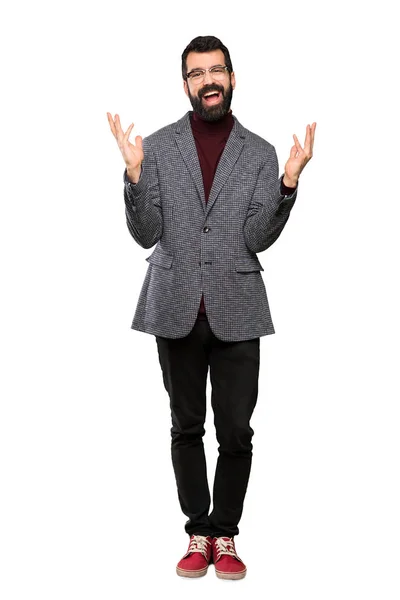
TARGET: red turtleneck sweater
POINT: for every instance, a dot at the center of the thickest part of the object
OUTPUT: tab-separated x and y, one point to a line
210	139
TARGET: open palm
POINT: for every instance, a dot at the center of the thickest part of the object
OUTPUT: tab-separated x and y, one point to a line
299	157
132	154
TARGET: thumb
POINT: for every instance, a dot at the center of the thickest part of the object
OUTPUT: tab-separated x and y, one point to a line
293	151
139	142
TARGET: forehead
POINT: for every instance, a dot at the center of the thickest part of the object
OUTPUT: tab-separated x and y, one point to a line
204	60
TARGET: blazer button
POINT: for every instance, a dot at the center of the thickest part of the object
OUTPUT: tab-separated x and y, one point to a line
206	229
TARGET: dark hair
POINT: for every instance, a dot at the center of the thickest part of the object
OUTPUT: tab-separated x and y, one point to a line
205	43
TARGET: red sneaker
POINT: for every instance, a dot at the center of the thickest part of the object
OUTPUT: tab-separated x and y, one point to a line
227	563
197	558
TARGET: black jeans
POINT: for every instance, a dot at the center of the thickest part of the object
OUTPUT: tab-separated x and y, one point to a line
234	370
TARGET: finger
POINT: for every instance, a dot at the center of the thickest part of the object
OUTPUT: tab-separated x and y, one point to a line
296	141
139	142
293	151
120	133
111	123
313	126
307	140
128	132
308	146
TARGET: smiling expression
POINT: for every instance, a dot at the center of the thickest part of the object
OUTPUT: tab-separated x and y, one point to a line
210	99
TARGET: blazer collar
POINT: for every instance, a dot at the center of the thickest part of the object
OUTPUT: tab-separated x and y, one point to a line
187	147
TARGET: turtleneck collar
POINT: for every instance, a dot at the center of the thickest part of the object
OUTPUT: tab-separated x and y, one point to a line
214	127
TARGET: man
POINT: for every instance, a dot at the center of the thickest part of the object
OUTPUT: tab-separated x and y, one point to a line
206	191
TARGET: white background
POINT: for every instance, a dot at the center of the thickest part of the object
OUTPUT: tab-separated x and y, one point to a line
89	507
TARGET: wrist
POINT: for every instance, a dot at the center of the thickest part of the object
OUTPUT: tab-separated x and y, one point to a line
133	173
289	182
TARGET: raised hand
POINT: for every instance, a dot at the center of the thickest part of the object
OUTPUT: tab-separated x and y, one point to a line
299	157
132	154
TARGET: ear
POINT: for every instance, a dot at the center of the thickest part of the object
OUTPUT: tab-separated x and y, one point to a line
233	80
185	87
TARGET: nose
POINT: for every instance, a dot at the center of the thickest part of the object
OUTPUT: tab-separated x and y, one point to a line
207	77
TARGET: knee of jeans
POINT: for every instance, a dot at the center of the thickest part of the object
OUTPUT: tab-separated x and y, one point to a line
236	440
187	435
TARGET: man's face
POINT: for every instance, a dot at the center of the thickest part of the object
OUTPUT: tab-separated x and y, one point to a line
213	107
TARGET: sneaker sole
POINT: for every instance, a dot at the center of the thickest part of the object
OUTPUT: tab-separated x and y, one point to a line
187	573
223	575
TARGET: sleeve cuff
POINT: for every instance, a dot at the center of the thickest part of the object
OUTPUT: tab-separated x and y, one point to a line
137	188
127	180
286	191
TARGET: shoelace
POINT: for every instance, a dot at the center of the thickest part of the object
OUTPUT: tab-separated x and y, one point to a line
198	543
226	546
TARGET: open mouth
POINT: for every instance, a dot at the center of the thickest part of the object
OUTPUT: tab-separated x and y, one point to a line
212	98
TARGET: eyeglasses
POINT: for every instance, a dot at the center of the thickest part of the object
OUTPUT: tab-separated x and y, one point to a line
217	73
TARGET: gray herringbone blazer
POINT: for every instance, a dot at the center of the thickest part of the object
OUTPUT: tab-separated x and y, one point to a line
205	248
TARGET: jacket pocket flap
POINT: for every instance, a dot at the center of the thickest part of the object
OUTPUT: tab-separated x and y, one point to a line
248	264
160	258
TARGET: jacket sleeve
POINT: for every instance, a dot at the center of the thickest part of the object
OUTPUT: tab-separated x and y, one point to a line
269	209
142	202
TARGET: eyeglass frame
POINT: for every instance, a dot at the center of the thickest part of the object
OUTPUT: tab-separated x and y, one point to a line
204	71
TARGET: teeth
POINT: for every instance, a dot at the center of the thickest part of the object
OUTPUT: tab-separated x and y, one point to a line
210	94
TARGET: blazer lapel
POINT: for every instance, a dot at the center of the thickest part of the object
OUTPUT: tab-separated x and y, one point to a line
187	147
229	157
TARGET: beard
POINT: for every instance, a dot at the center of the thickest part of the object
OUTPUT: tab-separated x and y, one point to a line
216	112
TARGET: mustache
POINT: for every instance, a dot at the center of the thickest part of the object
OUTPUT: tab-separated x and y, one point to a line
212	87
